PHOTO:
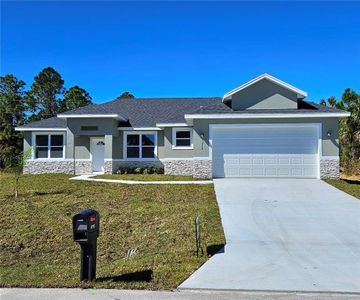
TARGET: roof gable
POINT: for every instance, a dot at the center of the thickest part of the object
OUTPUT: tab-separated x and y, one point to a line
300	93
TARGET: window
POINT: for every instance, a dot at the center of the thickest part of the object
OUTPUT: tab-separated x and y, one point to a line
49	146
89	128
140	145
182	138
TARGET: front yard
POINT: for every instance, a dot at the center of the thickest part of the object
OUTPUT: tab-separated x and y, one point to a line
352	187
36	247
147	177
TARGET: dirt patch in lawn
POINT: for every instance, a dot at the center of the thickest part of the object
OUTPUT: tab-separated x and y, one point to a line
37	250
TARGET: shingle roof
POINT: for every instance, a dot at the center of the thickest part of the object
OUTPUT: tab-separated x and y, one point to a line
53	122
303	107
147	112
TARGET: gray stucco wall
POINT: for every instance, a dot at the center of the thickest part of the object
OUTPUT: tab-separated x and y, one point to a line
264	95
82	147
105	126
117	146
168	152
330	145
27	140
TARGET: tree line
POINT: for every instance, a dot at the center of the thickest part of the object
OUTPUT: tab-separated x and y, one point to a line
45	98
349	130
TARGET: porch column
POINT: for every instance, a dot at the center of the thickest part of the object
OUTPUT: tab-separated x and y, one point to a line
108	166
70	145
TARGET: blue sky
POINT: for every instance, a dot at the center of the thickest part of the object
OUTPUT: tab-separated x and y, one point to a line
183	48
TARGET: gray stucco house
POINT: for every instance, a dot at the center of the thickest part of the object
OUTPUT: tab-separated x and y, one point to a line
263	128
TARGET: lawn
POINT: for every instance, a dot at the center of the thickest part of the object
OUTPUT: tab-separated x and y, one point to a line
147	177
37	250
352	187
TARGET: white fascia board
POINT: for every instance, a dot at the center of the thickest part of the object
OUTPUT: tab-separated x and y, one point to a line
162	125
39	129
300	93
266	116
113	116
138	128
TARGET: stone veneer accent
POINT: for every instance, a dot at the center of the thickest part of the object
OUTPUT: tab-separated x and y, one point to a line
178	167
42	167
83	167
57	166
109	167
198	168
202	168
329	168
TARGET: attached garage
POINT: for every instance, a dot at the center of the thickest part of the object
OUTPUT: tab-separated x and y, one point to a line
265	150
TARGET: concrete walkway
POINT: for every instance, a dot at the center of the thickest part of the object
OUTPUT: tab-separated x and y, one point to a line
284	235
89	178
112	294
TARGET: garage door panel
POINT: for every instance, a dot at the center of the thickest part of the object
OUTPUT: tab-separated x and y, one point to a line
270	172
258	161
296	161
297	148
270	152
258	172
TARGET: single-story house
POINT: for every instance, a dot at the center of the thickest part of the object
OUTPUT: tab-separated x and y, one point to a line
263	128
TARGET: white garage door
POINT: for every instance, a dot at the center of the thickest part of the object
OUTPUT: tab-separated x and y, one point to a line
265	150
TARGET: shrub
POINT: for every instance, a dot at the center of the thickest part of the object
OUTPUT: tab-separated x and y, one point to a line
159	170
138	170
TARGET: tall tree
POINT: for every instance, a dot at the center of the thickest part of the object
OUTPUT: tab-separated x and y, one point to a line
12	107
125	95
349	130
44	95
332	101
75	97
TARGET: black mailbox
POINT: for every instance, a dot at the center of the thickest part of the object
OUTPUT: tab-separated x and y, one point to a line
86	226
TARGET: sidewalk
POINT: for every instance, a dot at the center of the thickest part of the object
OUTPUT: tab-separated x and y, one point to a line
112	294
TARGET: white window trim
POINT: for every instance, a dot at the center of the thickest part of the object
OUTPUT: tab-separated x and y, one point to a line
33	143
140	133
174	131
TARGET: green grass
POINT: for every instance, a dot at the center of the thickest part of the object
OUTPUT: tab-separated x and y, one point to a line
352	187
37	250
147	177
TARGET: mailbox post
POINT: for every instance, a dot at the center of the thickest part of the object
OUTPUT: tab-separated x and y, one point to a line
86	225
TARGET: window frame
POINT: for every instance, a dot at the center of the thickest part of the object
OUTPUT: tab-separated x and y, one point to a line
140	134
177	129
48	134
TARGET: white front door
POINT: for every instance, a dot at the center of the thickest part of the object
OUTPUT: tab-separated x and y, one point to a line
98	154
265	150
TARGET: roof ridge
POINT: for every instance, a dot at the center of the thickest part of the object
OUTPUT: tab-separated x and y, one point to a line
164	98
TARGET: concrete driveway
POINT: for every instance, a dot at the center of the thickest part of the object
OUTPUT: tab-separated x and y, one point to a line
284	235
